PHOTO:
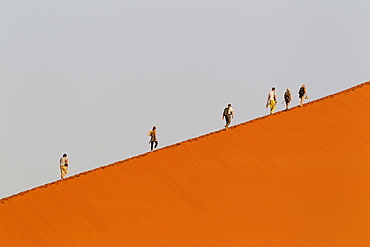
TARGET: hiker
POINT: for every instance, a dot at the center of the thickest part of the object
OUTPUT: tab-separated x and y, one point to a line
153	138
302	94
228	114
288	98
271	100
63	166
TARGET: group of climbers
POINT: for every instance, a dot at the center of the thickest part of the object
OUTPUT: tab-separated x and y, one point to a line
227	114
272	100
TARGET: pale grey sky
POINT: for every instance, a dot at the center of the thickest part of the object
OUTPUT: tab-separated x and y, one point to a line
90	78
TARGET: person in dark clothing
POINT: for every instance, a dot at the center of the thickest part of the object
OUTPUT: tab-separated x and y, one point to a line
302	94
287	98
228	114
153	138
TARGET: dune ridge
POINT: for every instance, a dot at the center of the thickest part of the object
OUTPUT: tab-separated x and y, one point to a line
296	178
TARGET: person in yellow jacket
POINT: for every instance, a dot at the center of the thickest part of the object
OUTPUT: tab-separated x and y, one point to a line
63	166
153	138
271	100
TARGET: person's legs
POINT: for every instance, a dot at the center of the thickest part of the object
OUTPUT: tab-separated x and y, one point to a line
301	103
228	121
63	172
151	146
272	106
156	144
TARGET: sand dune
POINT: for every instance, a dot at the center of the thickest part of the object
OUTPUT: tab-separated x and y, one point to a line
296	178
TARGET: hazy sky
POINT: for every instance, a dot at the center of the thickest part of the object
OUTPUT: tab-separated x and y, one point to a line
90	78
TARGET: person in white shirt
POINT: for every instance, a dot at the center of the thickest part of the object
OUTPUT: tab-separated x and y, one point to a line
271	100
228	114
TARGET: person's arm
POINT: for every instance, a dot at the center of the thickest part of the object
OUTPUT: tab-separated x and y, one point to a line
150	134
232	114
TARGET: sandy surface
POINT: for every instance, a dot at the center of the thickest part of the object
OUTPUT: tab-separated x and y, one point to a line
297	178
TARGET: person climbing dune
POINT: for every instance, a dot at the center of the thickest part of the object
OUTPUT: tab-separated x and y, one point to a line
228	114
271	100
153	138
63	166
287	98
302	94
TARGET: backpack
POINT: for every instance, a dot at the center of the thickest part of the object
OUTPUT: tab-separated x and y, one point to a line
226	111
287	96
301	91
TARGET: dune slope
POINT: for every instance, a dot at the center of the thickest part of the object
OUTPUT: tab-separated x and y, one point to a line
296	178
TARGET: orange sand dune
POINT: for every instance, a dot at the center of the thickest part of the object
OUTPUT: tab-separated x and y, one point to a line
297	178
